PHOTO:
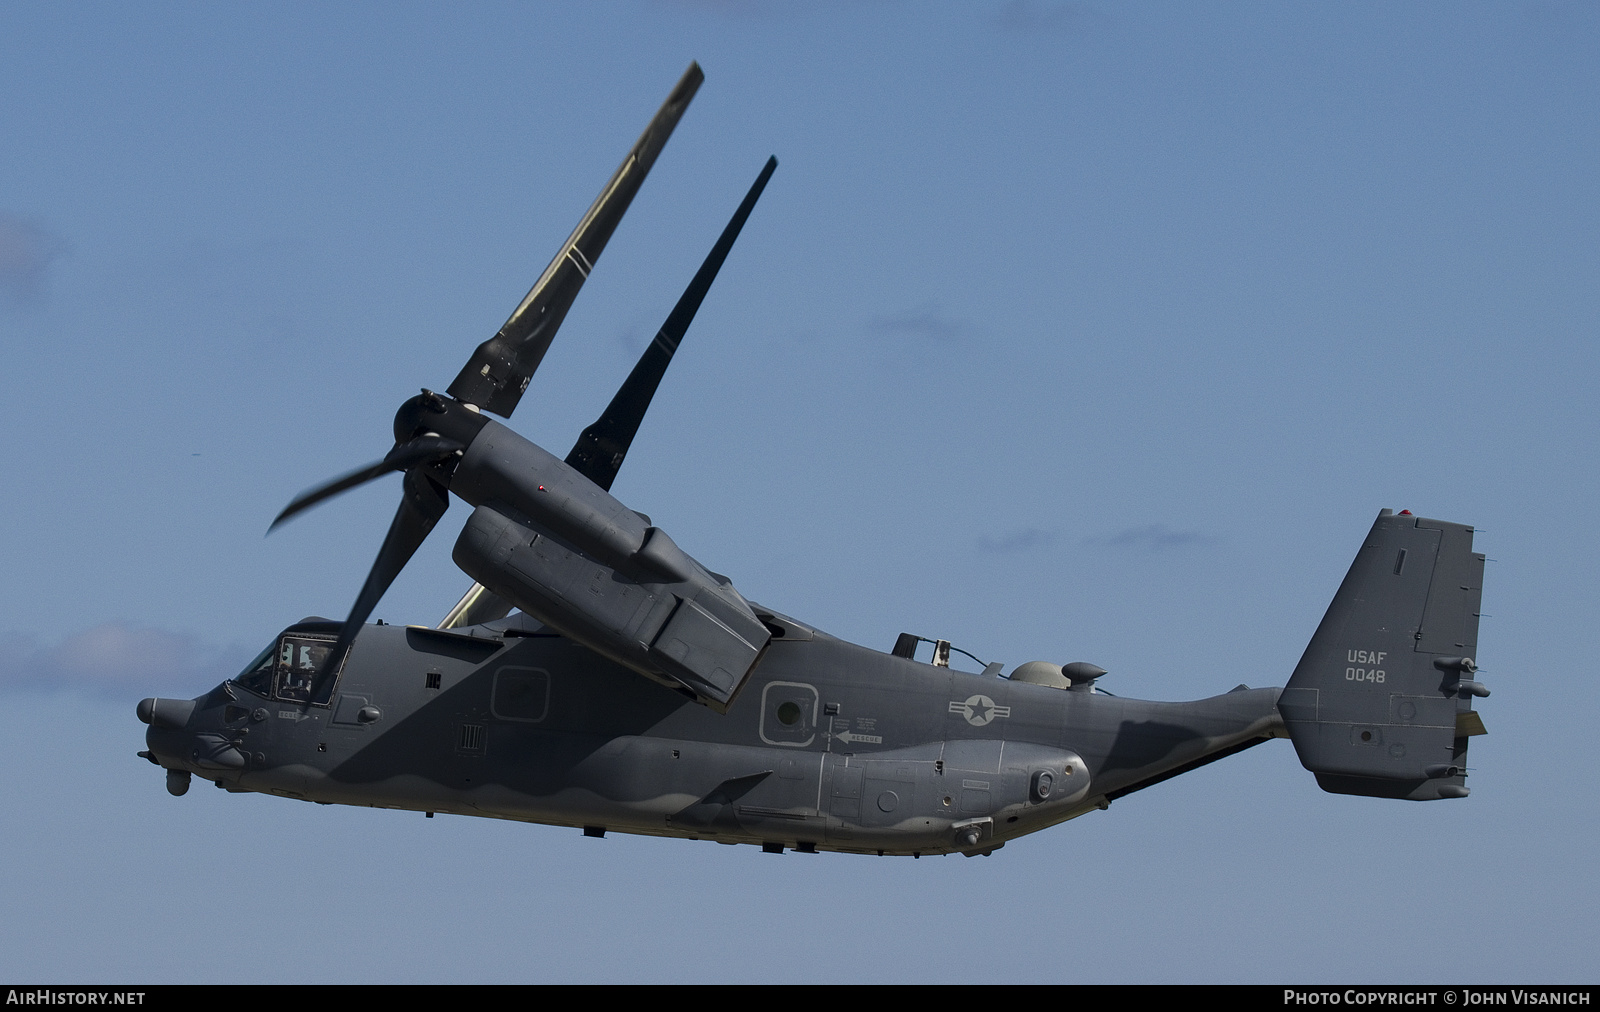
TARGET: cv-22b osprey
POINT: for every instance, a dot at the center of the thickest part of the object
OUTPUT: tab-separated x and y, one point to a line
599	676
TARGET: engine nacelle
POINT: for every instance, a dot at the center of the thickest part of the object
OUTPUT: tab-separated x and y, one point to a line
695	633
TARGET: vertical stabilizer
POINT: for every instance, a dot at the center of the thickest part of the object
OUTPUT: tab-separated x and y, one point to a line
1381	702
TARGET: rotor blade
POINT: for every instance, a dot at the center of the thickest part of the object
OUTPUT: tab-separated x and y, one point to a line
599	451
401	458
499	370
311	496
423	503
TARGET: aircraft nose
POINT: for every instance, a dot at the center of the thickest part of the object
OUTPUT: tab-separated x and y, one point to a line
168	713
198	747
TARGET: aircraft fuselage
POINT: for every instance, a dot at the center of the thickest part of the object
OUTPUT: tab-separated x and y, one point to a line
829	746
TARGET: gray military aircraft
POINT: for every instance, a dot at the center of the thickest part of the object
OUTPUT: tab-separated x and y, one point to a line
598	676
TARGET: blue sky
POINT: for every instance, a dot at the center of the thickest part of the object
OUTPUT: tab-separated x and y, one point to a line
1064	331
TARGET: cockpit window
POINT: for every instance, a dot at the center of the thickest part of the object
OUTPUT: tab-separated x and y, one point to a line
299	657
286	669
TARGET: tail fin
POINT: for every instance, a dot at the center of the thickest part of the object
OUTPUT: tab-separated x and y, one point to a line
1381	702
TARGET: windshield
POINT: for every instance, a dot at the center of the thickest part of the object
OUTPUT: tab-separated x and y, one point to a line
257	675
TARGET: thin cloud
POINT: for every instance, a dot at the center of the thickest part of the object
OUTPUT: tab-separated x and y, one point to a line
26	251
117	659
1017	541
926	323
1153	538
